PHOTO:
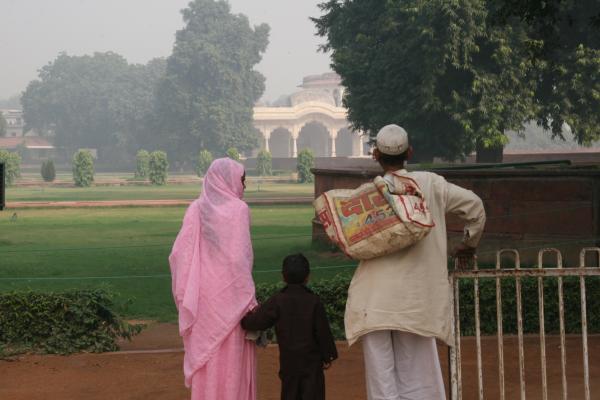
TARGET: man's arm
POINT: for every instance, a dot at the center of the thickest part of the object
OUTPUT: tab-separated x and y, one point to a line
261	318
467	206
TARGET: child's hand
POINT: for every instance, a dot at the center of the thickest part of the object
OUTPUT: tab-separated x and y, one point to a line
326	365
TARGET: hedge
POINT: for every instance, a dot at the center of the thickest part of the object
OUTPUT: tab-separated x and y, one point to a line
12	165
83	168
333	293
264	163
142	164
158	166
304	163
48	171
203	161
233	153
60	323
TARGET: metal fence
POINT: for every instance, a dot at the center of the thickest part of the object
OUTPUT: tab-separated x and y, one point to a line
517	273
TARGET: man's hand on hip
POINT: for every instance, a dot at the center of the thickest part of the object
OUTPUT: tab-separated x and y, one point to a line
464	255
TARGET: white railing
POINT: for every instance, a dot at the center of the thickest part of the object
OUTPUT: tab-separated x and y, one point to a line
498	273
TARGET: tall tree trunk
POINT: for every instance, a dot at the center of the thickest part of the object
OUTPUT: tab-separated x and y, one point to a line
488	154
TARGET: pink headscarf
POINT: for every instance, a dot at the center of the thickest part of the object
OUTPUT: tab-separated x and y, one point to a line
211	265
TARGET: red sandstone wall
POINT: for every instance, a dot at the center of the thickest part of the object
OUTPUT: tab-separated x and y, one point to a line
526	209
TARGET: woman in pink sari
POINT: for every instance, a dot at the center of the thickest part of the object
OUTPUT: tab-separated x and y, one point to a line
211	268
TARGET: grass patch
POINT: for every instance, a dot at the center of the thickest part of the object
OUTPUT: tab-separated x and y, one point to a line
80	248
168	192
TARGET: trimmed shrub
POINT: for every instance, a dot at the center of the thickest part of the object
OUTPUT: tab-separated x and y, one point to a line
48	171
203	162
12	165
334	291
306	161
61	323
233	154
264	163
142	164
83	168
3	125
158	168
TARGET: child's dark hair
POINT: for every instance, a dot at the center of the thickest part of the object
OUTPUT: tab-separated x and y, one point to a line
295	268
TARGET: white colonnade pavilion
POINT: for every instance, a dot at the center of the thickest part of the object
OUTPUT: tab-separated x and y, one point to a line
314	124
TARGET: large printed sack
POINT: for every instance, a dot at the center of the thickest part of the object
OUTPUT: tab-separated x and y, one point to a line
372	221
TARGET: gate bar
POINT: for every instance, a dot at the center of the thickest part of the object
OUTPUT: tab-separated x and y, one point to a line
478	332
542	325
584	335
520	331
561	319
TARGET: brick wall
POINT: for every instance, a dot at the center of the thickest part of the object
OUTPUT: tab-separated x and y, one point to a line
526	209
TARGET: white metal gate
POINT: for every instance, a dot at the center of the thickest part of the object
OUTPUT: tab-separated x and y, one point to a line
517	273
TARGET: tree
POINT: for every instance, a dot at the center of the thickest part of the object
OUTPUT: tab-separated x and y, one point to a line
305	162
142	164
233	153
159	166
97	101
205	158
48	171
437	68
206	99
264	163
12	165
3	125
567	52
83	168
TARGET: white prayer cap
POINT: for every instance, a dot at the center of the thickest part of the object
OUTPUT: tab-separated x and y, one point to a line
392	140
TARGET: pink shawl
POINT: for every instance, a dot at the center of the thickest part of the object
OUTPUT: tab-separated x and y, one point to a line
211	265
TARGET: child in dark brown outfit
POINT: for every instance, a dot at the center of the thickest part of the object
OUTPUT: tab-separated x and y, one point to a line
306	345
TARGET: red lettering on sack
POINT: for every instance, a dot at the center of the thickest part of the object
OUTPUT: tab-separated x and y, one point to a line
325	218
366	201
351	207
420	206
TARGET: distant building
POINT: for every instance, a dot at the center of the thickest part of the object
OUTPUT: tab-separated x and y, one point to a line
311	118
31	146
14	122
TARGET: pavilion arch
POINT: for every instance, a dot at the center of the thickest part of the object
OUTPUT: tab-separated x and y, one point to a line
279	142
314	135
346	143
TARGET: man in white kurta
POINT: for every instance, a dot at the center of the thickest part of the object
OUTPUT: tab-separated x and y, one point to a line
399	303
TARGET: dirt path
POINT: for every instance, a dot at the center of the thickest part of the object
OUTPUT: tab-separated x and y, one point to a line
150	368
145	203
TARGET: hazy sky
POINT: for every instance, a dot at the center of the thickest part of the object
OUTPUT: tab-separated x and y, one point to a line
33	32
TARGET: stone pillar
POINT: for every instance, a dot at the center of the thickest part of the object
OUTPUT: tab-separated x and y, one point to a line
357	143
295	133
362	137
333	132
266	133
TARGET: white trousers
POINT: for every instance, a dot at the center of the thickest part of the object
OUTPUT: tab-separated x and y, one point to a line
402	366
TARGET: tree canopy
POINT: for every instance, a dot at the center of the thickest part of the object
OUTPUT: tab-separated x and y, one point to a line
450	72
206	98
568	56
97	101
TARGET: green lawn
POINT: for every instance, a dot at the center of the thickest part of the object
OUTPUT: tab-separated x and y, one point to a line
126	250
182	191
